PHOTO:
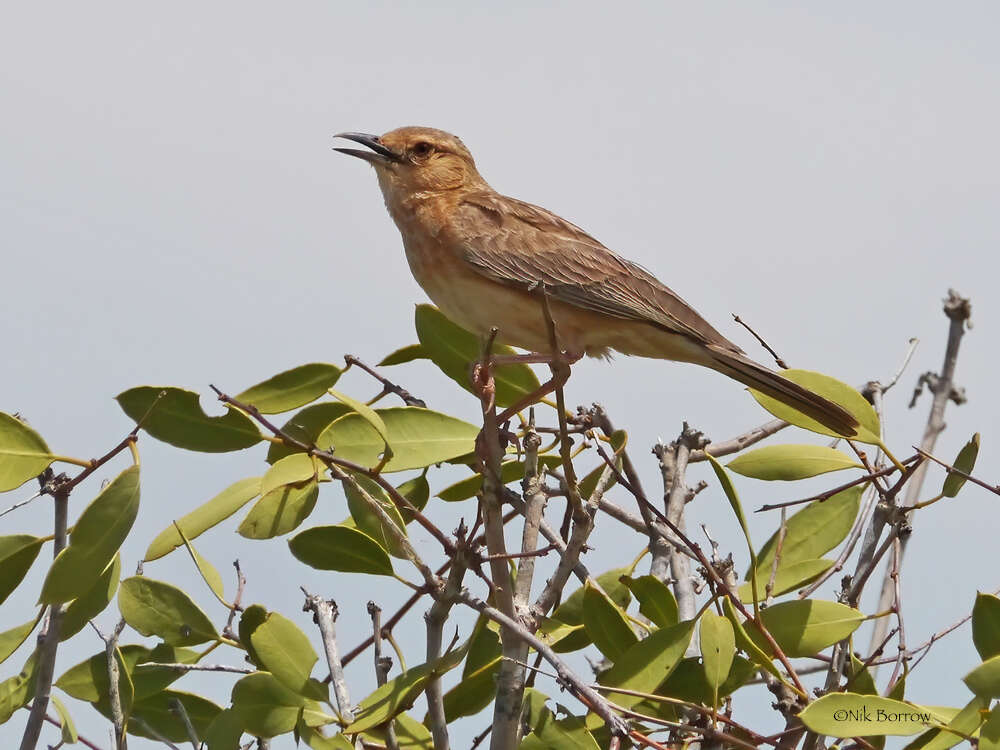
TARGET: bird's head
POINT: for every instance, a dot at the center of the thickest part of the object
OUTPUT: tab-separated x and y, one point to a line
416	160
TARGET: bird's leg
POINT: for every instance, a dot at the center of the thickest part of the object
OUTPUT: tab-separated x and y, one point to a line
559	364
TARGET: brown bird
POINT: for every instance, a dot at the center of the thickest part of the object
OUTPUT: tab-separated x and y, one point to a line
481	257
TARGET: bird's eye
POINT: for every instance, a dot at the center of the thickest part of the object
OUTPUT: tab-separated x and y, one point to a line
421	149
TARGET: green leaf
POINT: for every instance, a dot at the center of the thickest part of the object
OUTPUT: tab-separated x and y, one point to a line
804	627
474	693
569	733
177	419
966	462
96	537
150	678
860	679
368	520
250	620
68	729
209	574
23	453
561	637
286	653
281	510
204	517
368	415
840	393
648	663
418	492
157	608
854	715
419	438
688	681
734	502
606	624
90	604
410	735
292	388
984	680
965	722
340	548
267	708
718	647
989	733
157	712
17	553
787	578
986	625
454	350
406	354
18	690
293	469
11	640
656	601
399	693
88	680
813	531
306	426
225	731
571	610
791	462
746	643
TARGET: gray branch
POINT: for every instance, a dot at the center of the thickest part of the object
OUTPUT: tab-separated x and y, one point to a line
324	615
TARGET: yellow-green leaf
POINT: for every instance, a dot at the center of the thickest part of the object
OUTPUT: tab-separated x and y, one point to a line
285	652
718	647
813	531
832	389
298	467
965	462
157	712
984	680
292	388
571	610
406	354
68	729
17	553
854	715
787	578
11	640
96	537
340	548
804	627
23	453
18	690
454	350
177	419
606	624
419	438
281	510
368	520
90	604
791	462
156	608
267	708
986	625
306	425
656	600
964	722
205	516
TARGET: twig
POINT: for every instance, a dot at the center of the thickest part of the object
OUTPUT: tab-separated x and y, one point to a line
568	678
995	489
738	443
777	359
435	618
387	385
80	738
48	640
324	615
241	582
382	666
179	667
958	311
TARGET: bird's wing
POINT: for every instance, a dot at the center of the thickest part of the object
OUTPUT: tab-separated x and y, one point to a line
522	245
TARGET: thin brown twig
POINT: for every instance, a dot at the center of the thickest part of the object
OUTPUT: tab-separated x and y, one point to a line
387	385
777	359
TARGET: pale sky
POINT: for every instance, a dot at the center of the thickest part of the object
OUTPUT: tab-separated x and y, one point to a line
171	213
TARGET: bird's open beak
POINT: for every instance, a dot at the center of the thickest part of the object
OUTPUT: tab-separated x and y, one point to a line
379	154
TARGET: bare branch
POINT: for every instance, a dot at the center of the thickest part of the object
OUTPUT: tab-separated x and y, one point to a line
387	385
324	615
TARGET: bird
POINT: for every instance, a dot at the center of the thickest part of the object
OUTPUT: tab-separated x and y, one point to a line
481	257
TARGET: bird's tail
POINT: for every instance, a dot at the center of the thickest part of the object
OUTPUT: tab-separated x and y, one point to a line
772	384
